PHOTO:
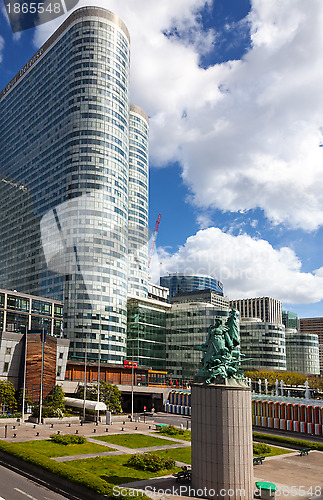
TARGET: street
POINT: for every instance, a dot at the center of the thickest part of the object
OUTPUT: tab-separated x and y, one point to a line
167	418
16	487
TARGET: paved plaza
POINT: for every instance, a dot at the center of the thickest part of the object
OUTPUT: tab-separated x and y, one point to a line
296	477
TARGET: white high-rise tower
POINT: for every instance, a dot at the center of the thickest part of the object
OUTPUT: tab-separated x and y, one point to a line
74	181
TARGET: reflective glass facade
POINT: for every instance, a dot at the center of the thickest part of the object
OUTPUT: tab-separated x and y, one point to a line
187	328
290	320
182	283
65	179
146	338
264	343
138	203
302	352
18	312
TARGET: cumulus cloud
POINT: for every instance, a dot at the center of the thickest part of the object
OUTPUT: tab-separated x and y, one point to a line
248	132
247	267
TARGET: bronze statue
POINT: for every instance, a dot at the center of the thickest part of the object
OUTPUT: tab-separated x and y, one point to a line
221	358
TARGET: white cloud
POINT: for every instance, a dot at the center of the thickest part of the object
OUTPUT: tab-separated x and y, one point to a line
247	267
204	220
247	132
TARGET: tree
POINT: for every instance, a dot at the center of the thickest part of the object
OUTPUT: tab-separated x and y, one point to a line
8	400
109	394
54	406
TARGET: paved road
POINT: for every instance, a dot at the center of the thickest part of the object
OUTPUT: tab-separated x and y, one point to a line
168	418
16	487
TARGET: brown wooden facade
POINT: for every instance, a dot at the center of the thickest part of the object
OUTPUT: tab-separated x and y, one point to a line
33	365
113	374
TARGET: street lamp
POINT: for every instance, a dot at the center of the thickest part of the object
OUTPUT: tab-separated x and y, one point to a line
99	366
43	339
85	360
132	376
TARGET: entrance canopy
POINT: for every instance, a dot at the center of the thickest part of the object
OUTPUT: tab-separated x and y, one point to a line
89	405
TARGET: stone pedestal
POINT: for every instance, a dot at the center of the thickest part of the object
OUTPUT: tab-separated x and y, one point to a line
222	455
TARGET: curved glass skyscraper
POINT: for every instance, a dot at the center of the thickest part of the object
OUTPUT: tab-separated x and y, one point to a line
184	283
74	181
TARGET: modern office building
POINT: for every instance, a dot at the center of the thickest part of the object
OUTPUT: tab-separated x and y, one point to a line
290	320
263	345
183	283
187	328
19	313
314	326
265	308
208	296
74	182
157	292
146	332
302	352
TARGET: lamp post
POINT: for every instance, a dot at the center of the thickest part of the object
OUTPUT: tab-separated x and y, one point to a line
132	376
85	360
99	366
43	338
24	386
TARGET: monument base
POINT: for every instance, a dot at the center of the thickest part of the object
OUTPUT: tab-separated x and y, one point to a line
222	455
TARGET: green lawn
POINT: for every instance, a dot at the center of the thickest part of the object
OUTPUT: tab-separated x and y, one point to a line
50	449
135	441
184	454
274	450
185	436
178	454
113	470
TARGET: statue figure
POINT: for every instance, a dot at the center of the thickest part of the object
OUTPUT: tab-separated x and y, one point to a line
276	387
233	327
221	356
266	386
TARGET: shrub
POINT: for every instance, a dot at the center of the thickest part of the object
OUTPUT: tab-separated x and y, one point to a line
150	461
8	400
288	442
68	439
171	430
260	448
65	470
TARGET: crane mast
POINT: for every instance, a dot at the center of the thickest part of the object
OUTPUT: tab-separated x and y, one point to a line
153	240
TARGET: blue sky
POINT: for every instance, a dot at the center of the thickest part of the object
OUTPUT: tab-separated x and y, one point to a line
233	91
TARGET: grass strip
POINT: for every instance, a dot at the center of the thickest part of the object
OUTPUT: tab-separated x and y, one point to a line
74	474
135	441
115	470
180	434
50	449
178	454
287	441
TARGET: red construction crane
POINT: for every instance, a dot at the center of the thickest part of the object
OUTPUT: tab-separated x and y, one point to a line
153	240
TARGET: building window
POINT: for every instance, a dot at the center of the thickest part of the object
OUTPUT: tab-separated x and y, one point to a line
61	354
8	350
5	367
59	369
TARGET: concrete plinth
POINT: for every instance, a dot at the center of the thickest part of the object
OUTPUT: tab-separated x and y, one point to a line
222	441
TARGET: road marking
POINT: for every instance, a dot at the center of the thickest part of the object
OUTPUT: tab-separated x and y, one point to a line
24	493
